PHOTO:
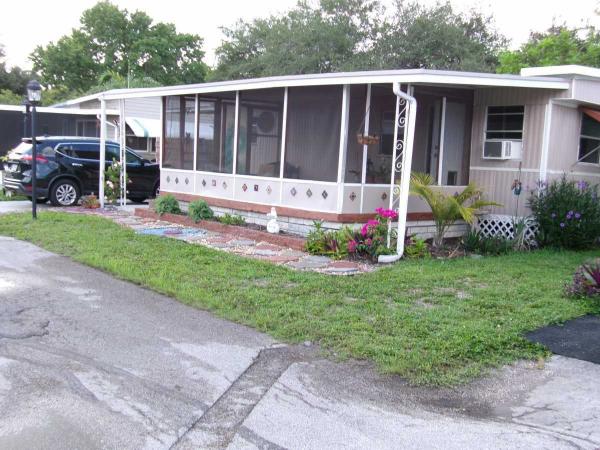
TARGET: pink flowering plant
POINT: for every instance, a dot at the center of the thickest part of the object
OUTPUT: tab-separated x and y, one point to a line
371	240
368	242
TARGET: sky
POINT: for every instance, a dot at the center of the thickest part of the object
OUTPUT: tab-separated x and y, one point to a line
50	20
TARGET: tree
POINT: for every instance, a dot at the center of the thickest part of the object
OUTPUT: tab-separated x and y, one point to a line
557	45
129	44
437	37
12	81
339	35
326	38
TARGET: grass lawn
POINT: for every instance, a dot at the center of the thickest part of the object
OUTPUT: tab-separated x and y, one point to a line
433	322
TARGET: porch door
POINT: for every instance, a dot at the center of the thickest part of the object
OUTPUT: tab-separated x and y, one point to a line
454	154
434	116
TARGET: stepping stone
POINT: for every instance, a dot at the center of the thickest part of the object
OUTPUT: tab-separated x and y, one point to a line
293	253
242	243
312	262
264	246
344	265
278	259
341	270
259	252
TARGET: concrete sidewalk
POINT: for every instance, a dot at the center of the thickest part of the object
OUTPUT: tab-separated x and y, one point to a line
88	361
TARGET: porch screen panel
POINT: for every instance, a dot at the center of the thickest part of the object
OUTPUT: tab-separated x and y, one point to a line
178	148
356	126
259	133
382	118
313	132
216	126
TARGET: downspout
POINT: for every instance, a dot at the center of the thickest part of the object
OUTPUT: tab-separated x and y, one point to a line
407	153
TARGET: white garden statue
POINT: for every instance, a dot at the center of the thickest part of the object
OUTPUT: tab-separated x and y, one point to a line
272	225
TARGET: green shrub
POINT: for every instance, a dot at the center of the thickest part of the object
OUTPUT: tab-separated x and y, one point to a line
416	247
229	219
167	204
567	213
475	242
333	243
199	210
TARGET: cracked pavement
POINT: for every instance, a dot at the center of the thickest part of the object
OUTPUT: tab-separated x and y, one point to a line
89	361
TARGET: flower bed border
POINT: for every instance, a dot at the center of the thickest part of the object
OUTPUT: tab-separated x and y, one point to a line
295	243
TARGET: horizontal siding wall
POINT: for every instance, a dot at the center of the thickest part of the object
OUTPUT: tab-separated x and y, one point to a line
496	177
145	108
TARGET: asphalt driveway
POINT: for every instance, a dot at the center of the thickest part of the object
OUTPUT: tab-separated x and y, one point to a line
88	361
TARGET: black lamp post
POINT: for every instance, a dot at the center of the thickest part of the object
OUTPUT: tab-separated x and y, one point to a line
34	96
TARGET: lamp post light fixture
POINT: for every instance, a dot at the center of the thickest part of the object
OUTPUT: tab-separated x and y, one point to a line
34	96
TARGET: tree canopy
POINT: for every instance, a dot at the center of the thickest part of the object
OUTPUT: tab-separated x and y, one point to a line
114	40
558	45
12	82
338	35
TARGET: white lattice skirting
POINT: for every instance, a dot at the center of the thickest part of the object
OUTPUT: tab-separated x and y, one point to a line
500	225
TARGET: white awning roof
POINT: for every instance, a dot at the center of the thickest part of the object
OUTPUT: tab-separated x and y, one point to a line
148	128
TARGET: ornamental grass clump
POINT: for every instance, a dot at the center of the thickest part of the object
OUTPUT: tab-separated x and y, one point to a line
586	281
567	213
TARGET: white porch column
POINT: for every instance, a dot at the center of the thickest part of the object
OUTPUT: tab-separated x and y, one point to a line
343	146
363	178
102	150
122	153
283	137
546	141
235	138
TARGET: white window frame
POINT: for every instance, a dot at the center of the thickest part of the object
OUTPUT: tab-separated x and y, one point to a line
585	136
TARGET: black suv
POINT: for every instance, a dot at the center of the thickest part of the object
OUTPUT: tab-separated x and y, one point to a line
68	167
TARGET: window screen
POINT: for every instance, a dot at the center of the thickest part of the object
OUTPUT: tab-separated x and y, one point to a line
178	147
505	122
356	127
259	135
313	132
216	124
589	141
381	123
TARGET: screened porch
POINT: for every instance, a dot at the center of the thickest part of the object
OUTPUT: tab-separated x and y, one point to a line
321	148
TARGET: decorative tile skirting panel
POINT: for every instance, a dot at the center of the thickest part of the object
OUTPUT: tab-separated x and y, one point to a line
502	225
214	185
177	181
312	196
257	190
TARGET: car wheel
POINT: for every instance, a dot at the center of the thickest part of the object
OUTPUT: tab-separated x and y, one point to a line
64	193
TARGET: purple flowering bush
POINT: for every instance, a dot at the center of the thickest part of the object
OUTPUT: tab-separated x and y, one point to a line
586	281
567	213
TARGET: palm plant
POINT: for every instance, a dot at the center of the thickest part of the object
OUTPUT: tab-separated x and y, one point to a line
447	209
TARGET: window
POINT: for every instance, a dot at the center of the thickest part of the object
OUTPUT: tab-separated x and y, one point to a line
589	141
80	150
87	127
178	148
114	152
313	132
505	122
259	135
216	125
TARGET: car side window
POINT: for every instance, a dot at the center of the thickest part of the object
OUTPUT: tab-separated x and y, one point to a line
112	152
80	150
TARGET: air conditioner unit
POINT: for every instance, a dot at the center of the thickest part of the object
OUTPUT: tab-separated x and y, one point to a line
502	149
